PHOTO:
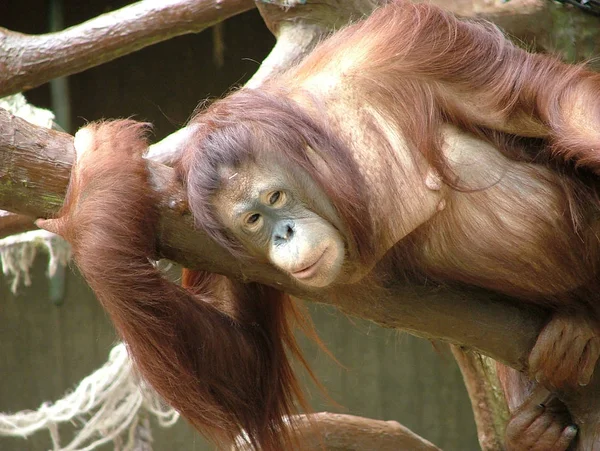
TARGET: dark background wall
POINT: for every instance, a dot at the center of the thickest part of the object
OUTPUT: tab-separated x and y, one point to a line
46	349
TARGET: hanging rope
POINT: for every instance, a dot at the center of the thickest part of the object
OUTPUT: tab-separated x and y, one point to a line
111	404
17	253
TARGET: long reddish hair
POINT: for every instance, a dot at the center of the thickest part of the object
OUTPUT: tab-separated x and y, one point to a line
219	350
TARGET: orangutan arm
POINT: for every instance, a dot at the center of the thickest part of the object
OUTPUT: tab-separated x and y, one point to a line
216	352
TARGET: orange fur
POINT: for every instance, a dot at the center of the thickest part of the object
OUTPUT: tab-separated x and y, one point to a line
218	351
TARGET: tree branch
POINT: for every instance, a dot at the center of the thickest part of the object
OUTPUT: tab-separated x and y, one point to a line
487	399
11	224
35	165
27	61
34	171
337	432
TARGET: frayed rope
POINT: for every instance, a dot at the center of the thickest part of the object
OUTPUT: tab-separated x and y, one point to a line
108	404
17	253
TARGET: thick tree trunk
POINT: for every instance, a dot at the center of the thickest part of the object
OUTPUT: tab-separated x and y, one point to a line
35	165
34	177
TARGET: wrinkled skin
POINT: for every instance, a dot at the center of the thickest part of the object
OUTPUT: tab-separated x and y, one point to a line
284	218
541	423
566	352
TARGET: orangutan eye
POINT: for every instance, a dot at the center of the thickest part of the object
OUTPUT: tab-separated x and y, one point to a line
275	197
253	219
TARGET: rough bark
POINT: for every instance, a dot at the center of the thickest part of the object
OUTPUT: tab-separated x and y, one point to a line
34	171
488	402
35	165
336	432
27	61
11	224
